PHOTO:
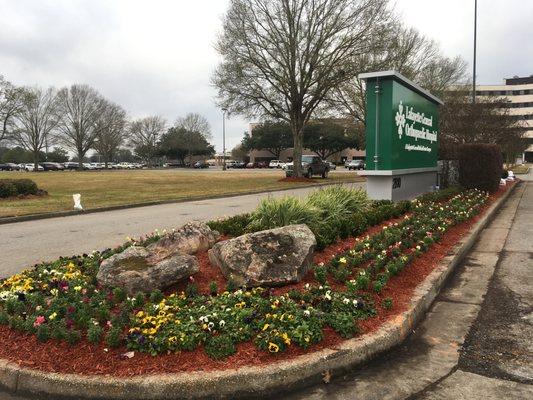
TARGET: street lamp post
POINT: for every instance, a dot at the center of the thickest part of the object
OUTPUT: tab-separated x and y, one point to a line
475	45
224	111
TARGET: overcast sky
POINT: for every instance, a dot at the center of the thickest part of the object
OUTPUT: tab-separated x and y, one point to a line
157	56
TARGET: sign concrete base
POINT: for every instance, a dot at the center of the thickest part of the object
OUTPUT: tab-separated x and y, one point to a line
397	185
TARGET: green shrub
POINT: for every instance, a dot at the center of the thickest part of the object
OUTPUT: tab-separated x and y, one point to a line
321	274
191	290
16	187
25	186
480	166
343	323
387	303
337	205
7	189
275	213
337	201
43	333
73	336
113	337
232	226
219	347
213	288
119	295
156	296
440	195
94	333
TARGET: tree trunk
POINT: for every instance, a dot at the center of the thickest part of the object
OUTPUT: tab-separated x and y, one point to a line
298	135
80	160
36	161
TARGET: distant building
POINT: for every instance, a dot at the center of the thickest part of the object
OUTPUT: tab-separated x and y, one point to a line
286	155
519	93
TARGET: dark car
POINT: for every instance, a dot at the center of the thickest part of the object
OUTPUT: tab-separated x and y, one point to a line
356	164
311	165
70	165
52	166
9	167
240	165
200	165
252	165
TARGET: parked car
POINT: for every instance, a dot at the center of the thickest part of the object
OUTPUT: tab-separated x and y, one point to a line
252	165
52	166
311	165
31	167
71	165
356	164
124	165
274	164
200	165
240	165
332	166
262	164
9	167
231	163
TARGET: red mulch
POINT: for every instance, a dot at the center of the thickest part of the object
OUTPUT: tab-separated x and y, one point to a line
84	358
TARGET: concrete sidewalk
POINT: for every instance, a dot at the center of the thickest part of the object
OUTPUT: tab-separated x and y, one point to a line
476	341
23	244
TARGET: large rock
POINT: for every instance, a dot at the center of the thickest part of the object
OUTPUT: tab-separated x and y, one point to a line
268	258
137	269
191	238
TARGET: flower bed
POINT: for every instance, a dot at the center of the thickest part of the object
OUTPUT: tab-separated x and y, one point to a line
338	299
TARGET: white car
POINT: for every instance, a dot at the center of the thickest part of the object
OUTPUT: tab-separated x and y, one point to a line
89	166
31	167
124	165
275	164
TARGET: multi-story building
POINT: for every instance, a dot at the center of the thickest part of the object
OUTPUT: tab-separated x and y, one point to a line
519	93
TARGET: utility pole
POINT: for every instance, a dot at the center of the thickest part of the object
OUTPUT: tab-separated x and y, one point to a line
224	111
475	45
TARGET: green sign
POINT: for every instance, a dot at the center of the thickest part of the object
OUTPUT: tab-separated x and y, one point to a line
401	123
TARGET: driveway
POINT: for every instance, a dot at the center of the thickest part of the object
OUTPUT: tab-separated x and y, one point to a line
23	244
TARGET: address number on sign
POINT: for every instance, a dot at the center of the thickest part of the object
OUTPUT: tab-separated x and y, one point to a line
396	183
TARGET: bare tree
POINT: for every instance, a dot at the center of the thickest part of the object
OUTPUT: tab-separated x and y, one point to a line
111	131
486	121
281	58
37	119
396	47
194	123
11	102
145	134
81	108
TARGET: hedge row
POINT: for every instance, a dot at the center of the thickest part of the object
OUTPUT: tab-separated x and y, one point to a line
480	166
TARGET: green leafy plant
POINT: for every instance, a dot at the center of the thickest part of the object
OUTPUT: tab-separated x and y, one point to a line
274	213
219	347
387	303
232	226
94	333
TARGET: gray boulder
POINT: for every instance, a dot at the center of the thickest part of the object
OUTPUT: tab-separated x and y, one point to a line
137	269
273	257
191	238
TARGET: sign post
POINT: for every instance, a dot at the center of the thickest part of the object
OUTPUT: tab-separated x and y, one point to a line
402	121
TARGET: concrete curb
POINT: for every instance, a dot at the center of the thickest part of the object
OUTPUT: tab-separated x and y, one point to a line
250	381
33	217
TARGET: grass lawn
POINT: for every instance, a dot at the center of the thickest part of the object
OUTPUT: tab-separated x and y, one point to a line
520	169
113	188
